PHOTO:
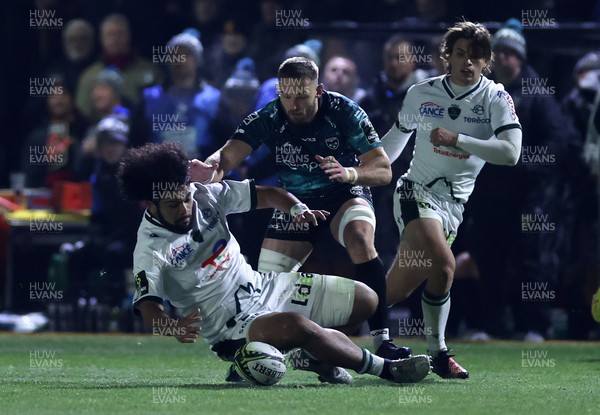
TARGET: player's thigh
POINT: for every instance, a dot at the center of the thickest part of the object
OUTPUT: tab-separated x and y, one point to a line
425	239
284	330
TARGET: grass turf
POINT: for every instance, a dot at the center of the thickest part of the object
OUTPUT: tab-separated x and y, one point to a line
143	374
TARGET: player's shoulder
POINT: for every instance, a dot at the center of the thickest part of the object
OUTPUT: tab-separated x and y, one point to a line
266	115
427	85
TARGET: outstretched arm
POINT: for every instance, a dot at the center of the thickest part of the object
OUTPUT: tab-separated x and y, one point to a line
220	162
284	201
183	330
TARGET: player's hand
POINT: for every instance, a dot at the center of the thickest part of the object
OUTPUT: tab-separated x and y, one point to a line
188	333
198	171
333	169
300	213
312	216
442	137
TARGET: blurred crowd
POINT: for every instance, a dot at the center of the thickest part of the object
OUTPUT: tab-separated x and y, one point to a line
97	77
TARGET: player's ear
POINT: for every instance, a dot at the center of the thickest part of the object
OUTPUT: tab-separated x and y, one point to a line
152	208
320	89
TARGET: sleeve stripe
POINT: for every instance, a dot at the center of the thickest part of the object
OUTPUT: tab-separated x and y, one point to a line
506	127
253	197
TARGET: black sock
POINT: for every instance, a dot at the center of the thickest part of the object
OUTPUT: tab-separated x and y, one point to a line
372	273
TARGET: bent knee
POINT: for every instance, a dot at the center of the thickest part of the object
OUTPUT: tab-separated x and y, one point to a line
365	301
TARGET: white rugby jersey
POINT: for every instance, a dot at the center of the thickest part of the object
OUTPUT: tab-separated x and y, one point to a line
203	268
483	111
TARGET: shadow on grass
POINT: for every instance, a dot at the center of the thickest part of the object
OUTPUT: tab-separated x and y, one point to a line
361	382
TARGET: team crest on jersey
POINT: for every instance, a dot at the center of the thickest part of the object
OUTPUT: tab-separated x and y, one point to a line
454	111
206	213
332	143
478	109
431	109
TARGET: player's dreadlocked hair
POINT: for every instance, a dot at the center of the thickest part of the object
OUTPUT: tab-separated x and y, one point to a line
479	38
298	67
142	170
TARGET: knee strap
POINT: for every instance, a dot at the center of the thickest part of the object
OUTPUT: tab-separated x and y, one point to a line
355	212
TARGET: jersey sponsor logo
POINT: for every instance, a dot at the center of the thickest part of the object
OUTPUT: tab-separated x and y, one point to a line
431	109
450	154
179	255
141	283
369	131
309	139
332	143
454	111
303	289
478	109
213	222
509	101
476	120
218	258
356	190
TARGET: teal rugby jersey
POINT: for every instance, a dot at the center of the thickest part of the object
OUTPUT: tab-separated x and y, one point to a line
340	129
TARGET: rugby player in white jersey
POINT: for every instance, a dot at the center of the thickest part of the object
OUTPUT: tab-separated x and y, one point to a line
461	120
186	254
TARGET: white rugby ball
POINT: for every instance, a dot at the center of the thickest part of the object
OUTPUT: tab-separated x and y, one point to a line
260	363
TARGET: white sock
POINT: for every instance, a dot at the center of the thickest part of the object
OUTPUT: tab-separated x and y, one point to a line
435	313
379	336
371	363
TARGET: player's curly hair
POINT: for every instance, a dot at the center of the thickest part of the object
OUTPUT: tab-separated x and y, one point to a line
479	38
142	168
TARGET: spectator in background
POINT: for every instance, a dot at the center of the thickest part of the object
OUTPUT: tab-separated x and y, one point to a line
97	264
78	45
270	39
52	148
522	201
237	97
117	53
382	104
340	75
185	108
208	19
232	46
581	201
107	94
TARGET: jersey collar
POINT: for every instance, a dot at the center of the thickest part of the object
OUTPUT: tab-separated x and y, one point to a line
446	84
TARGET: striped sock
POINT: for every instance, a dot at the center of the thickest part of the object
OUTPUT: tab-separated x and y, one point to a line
373	364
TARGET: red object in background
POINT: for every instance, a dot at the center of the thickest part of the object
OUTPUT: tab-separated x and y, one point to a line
70	196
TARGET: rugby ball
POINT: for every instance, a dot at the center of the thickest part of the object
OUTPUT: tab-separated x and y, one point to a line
259	363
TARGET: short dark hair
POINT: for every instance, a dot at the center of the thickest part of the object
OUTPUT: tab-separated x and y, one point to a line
298	67
479	38
141	169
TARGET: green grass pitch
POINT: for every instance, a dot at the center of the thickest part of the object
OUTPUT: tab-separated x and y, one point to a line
144	374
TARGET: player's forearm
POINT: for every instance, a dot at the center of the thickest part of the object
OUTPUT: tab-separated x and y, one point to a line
394	142
155	318
503	151
275	197
377	172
